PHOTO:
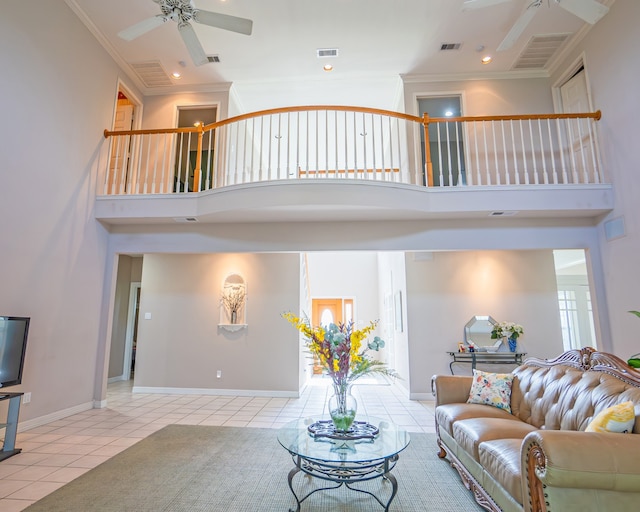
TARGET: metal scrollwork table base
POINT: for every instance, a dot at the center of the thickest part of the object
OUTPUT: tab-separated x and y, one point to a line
344	459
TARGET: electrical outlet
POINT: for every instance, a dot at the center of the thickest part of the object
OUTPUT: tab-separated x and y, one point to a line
26	398
219	374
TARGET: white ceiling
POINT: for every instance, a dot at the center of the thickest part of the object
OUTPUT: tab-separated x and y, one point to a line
378	40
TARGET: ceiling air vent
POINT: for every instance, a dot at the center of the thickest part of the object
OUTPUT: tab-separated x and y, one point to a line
539	50
450	46
213	58
327	52
151	73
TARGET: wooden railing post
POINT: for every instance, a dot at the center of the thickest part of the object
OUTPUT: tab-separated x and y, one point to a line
428	166
197	171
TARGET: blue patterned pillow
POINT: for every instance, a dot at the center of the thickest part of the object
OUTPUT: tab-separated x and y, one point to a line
491	389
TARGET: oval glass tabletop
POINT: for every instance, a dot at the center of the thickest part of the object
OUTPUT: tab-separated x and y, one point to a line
390	440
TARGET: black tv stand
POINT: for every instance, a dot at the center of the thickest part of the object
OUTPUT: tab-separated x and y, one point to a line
11	426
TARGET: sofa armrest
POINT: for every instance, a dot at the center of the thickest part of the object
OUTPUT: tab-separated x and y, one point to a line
556	463
450	389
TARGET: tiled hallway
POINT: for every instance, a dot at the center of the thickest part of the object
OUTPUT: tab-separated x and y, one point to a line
58	452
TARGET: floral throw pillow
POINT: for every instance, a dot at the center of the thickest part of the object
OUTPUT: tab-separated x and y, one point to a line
618	418
491	389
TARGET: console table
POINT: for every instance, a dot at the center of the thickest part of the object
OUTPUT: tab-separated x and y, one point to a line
11	426
473	358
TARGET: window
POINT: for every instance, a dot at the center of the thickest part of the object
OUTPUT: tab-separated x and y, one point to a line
574	300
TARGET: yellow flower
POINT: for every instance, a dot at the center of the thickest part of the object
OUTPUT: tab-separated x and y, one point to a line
339	349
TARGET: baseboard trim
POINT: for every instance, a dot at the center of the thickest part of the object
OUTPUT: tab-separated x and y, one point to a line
221	392
58	415
423	397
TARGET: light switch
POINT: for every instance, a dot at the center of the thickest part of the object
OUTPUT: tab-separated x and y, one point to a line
147	316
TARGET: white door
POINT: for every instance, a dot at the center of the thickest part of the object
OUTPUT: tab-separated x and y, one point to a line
581	159
120	151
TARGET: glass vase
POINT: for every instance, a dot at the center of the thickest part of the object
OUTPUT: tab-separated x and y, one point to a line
342	407
513	344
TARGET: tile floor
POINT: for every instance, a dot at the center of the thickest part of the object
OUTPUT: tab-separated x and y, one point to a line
56	453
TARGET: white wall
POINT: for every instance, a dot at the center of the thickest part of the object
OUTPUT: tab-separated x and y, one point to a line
162	111
58	95
485	97
445	292
613	71
182	346
349	275
393	293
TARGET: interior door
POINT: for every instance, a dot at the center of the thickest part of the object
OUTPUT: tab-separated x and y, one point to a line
119	161
575	99
324	312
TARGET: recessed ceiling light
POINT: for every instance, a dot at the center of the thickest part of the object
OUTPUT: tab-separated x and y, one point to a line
176	75
327	67
486	59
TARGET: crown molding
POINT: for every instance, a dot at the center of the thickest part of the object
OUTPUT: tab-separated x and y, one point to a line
106	45
461	77
188	89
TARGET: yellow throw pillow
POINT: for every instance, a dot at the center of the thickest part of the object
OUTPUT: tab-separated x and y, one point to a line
617	418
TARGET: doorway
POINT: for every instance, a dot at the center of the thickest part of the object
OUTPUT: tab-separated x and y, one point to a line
119	179
445	141
574	97
131	339
574	299
330	311
187	176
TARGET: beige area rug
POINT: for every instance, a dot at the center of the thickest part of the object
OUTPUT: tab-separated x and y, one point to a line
186	468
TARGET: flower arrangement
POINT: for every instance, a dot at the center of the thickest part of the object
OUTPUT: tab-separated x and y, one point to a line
506	330
339	349
232	299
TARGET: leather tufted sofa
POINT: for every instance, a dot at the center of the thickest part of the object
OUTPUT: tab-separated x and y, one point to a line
538	457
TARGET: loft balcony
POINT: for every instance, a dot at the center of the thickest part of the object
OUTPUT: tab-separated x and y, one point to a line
336	163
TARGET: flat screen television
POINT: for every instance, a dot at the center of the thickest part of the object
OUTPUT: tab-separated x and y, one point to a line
13	346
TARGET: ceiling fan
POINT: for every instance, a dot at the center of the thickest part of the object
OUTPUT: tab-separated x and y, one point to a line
590	11
182	12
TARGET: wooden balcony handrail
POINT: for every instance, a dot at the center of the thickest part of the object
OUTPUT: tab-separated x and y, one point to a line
425	120
237	151
597	115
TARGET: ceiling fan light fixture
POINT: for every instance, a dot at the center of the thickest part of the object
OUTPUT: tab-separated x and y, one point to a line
183	12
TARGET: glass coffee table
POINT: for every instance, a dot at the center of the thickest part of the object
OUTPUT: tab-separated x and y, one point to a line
371	451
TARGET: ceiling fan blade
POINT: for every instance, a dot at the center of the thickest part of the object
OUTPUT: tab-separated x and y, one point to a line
223	21
589	10
129	34
192	43
518	27
480	4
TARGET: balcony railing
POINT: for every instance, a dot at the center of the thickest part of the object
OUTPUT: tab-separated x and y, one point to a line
352	143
